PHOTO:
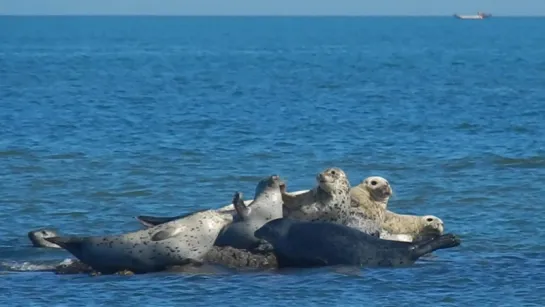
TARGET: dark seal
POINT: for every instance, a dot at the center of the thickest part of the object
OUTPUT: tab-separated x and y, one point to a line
310	244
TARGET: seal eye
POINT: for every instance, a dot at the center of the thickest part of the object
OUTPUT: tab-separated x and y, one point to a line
333	172
429	219
44	233
373	182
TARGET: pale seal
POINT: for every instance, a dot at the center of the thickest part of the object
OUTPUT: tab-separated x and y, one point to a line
308	244
328	201
404	227
264	184
178	242
38	237
369	200
266	206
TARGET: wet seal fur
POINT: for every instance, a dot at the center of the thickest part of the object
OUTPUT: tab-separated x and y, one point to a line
266	206
410	228
310	244
328	201
38	237
178	242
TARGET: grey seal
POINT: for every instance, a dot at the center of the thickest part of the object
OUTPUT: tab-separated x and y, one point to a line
179	242
309	244
328	201
38	237
404	227
262	185
266	206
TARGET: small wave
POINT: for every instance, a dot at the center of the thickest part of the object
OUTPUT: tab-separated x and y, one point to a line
13	266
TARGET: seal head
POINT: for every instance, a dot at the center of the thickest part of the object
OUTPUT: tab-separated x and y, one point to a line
38	237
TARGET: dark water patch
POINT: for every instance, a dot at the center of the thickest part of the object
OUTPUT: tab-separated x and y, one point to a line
113	195
529	162
23	153
67	155
25	169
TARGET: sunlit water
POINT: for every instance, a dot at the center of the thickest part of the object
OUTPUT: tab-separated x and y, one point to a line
102	119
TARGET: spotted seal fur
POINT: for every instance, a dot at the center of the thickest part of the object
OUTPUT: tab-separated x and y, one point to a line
263	184
308	244
177	242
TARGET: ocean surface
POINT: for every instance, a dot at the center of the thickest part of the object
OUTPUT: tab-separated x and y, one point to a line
106	118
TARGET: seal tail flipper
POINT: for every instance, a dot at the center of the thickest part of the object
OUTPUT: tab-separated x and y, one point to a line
71	244
150	221
421	248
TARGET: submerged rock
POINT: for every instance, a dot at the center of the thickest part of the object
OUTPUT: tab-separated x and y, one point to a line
227	257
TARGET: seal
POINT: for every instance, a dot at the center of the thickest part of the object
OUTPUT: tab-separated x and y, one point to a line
266	206
369	200
38	237
310	244
404	227
179	242
264	184
328	201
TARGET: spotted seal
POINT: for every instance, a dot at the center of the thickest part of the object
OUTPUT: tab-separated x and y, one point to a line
178	242
404	227
308	244
328	201
38	237
266	206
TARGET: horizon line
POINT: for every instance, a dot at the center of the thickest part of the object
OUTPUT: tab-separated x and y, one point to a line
236	15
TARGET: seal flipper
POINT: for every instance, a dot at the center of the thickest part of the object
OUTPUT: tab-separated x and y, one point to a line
240	207
151	221
165	233
421	248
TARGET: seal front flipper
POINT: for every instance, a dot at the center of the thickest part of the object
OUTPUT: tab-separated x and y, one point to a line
166	233
240	207
421	248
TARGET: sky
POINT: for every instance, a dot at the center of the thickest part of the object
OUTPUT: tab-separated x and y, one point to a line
271	7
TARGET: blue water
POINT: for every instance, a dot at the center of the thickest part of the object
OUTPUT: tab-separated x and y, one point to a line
105	118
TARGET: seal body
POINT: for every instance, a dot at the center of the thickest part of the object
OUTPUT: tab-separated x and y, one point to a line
309	244
266	206
405	227
38	237
177	242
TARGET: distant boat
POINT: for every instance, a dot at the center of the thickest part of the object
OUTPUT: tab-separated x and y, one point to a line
479	15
